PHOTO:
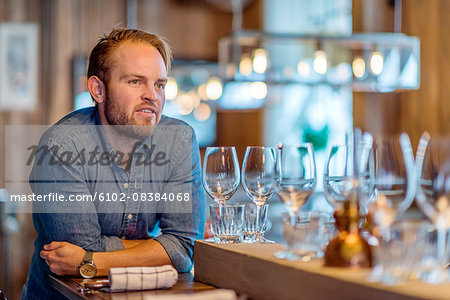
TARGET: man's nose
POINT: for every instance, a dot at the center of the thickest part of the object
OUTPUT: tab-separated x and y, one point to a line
150	93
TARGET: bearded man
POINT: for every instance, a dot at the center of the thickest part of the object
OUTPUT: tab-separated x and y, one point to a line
132	188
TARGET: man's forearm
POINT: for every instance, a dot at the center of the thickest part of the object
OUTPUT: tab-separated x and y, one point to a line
137	253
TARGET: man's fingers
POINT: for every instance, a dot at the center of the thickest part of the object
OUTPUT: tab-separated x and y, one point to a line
44	254
53	245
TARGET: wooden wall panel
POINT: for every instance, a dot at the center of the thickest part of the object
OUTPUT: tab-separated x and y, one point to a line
76	26
240	128
15	259
427	108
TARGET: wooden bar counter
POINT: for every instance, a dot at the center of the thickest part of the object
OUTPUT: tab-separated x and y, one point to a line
252	269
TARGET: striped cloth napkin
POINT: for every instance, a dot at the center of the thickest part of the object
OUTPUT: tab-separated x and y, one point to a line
142	278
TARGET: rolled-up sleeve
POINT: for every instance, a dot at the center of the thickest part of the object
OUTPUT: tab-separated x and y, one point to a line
180	230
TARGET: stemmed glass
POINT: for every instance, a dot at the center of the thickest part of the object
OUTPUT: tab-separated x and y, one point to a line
221	173
338	180
433	195
220	177
347	169
394	188
295	179
258	173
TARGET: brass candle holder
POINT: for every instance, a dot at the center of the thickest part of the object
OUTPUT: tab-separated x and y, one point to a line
349	248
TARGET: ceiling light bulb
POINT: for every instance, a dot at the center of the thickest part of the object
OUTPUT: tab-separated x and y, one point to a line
320	62
214	88
246	65
303	68
202	112
359	67
171	90
376	63
260	61
258	90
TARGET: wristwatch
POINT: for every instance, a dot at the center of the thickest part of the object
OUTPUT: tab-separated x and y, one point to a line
87	268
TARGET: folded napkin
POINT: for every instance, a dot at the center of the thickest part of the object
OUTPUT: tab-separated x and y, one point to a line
220	294
142	278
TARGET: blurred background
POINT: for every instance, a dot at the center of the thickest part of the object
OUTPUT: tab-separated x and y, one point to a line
44	45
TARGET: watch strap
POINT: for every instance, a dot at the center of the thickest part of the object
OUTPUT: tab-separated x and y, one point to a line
88	257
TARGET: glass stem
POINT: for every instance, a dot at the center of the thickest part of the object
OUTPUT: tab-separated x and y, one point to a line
441	239
258	231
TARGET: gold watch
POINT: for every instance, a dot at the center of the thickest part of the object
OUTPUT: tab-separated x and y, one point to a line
87	268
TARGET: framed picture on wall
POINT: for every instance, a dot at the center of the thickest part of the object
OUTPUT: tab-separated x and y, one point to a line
19	46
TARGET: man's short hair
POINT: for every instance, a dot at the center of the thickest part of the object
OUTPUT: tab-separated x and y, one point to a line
100	60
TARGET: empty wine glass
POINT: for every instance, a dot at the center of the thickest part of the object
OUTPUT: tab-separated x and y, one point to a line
338	180
295	179
394	182
258	173
394	188
221	173
347	169
433	194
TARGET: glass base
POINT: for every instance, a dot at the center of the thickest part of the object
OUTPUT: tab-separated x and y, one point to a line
436	276
288	255
258	240
216	240
376	274
211	240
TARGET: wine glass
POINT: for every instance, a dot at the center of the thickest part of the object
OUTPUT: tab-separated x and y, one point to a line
394	187
295	180
338	179
221	173
394	182
433	194
258	173
347	169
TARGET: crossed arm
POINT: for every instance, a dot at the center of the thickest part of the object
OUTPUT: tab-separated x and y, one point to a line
63	258
65	237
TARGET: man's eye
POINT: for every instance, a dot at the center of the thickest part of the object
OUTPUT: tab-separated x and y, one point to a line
160	86
134	81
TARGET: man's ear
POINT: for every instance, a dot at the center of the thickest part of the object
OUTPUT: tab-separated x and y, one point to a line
97	89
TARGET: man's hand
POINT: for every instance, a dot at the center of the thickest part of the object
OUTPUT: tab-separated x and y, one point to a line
63	258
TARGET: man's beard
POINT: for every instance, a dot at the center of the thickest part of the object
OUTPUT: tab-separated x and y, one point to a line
127	125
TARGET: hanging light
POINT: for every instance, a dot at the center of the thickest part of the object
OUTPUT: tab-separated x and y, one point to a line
202	112
260	61
303	68
258	90
320	62
359	67
246	65
185	104
214	88
376	63
171	89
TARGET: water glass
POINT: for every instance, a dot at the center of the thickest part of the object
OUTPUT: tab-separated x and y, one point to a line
430	269
401	256
308	236
227	222
250	214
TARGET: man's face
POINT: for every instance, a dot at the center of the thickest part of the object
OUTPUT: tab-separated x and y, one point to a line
135	92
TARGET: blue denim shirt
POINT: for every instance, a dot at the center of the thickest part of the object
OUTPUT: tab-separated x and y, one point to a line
160	195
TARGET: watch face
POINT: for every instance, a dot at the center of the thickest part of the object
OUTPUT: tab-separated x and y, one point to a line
88	270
